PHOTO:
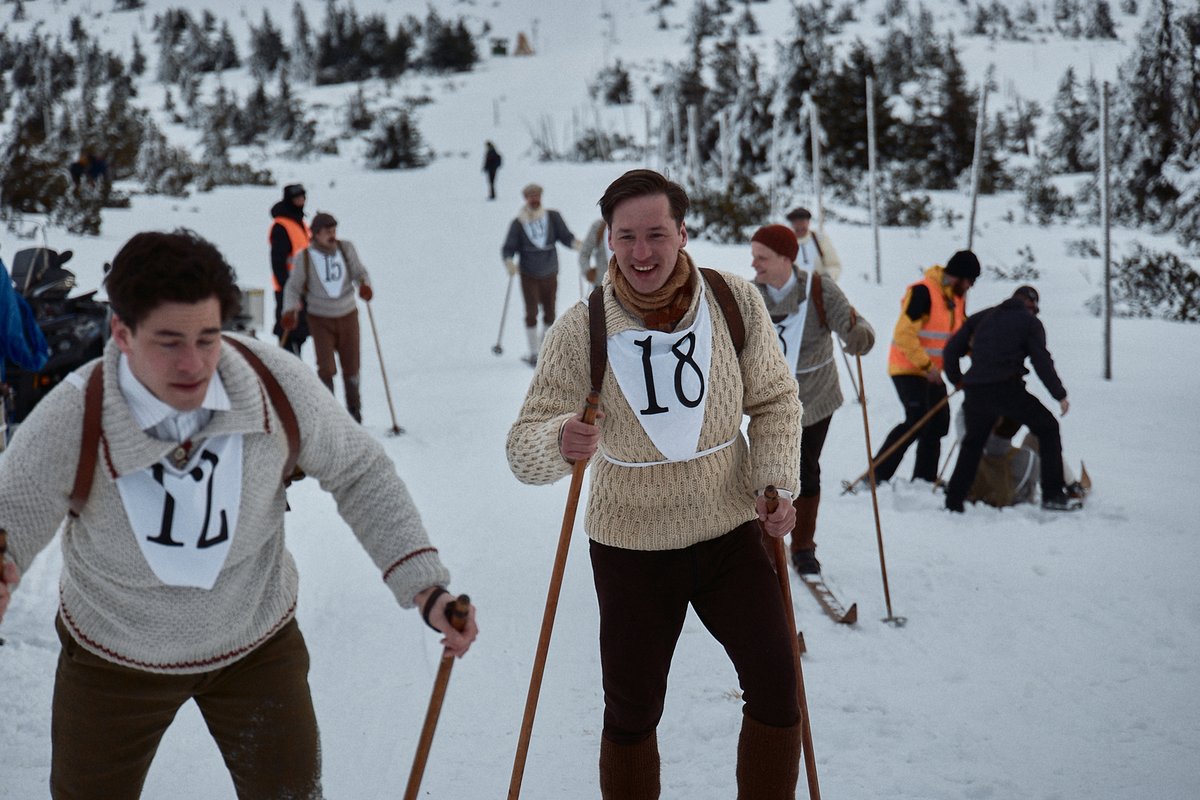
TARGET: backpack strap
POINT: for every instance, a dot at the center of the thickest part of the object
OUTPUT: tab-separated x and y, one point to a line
89	445
283	407
598	330
93	406
818	298
817	244
597	337
729	307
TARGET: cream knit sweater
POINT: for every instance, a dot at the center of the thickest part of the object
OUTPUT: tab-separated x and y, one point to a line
112	602
668	506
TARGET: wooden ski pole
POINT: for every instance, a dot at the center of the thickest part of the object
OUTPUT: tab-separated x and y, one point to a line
785	589
3	550
496	348
396	429
591	406
908	434
862	399
945	464
457	612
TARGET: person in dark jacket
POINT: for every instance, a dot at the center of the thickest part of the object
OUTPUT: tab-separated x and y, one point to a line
529	248
491	165
999	339
289	235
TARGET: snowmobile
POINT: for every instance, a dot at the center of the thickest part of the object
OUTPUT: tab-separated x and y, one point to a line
75	327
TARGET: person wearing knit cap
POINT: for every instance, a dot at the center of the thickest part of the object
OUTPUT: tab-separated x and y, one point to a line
932	310
999	340
177	585
675	514
806	307
529	248
815	249
330	273
289	234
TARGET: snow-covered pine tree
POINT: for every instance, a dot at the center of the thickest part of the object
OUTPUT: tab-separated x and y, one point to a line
1099	23
302	58
396	143
1068	118
267	50
1143	119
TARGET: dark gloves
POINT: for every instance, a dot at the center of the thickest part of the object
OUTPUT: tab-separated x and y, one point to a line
364	291
289	320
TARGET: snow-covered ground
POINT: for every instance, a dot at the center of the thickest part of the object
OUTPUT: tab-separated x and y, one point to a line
1045	655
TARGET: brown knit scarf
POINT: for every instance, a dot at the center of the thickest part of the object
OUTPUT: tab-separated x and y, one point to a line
662	310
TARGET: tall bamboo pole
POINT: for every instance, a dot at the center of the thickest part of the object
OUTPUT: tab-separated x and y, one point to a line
1104	216
871	174
977	160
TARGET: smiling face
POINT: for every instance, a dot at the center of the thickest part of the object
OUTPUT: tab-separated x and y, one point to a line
646	241
174	350
770	267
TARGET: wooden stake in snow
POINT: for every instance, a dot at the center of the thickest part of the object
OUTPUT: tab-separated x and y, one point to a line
1104	217
976	161
814	135
871	174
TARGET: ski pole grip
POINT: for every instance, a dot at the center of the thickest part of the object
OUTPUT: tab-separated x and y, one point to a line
590	407
458	611
772	495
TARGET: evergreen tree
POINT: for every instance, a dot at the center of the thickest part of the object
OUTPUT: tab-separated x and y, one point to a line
396	143
1146	111
267	50
303	58
137	59
1065	141
1099	24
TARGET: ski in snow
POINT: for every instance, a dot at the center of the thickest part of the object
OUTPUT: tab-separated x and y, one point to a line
829	601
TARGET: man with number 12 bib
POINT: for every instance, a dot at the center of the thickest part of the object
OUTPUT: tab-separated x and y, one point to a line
675	504
169	454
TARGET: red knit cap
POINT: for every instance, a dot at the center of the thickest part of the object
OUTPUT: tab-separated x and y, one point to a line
779	238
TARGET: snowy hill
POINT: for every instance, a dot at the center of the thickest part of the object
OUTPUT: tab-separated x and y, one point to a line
1045	656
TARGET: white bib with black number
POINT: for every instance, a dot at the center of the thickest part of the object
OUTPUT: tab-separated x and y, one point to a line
330	270
664	376
184	519
791	330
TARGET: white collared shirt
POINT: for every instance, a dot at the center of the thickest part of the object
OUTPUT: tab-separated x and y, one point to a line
163	421
782	291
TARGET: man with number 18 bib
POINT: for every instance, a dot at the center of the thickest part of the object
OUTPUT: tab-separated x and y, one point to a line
675	504
166	457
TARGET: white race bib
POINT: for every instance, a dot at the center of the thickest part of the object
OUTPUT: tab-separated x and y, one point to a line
664	377
330	270
791	330
185	519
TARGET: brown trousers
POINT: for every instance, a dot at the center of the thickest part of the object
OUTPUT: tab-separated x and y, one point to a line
644	597
338	335
108	720
539	292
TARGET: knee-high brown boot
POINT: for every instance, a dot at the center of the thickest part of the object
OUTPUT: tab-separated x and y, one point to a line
803	544
768	761
629	772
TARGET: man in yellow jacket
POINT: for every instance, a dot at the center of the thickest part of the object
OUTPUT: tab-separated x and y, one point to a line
933	308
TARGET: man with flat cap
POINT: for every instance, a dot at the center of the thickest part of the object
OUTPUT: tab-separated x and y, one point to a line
816	253
529	248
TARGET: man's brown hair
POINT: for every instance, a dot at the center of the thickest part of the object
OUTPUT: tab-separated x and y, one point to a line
640	183
178	267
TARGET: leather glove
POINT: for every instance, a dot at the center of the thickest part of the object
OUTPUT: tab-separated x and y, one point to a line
365	292
859	340
590	275
289	320
511	266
